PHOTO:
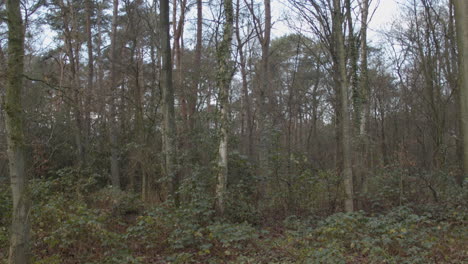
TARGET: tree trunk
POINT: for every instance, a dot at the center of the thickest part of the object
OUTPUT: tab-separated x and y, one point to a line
264	121
177	60
139	120
364	103
341	81
245	89
89	6
224	82
452	60
364	79
169	127
99	70
192	98
20	228
461	17
114	158
352	56
73	57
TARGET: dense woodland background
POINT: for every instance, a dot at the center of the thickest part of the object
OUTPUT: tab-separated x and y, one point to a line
184	132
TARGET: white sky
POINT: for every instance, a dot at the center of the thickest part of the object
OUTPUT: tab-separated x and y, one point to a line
385	14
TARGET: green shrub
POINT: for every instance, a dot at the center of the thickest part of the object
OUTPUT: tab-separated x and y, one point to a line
69	225
179	231
70	228
68	182
115	202
400	236
6	205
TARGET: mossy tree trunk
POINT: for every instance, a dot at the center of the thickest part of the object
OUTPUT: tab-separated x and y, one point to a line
19	244
169	126
224	82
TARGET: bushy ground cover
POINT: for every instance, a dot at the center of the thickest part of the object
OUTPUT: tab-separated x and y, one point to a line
74	220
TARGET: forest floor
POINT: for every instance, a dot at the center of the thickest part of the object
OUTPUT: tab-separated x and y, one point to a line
76	223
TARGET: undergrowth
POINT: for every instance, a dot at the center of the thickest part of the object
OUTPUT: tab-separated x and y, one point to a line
74	220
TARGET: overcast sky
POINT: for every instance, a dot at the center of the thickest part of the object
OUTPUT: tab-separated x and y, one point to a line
385	13
383	17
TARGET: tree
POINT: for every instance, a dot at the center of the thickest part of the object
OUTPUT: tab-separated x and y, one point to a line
363	80
326	21
69	15
224	77
247	111
192	98
265	123
90	84
19	244
461	16
263	32
363	109
341	82
169	127
114	158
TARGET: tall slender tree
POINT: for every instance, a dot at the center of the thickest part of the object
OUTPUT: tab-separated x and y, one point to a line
192	98
90	84
364	79
224	82
20	229
265	124
114	157
342	83
69	16
461	16
241	44
169	126
364	105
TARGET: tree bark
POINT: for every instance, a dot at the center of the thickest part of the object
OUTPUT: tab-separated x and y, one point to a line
245	88
20	228
364	79
353	53
265	122
177	60
192	98
169	127
114	158
461	17
364	103
224	82
89	42
341	81
73	57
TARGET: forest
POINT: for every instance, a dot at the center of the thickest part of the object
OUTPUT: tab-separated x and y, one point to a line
233	131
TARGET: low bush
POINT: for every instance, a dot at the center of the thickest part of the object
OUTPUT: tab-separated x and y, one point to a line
176	232
75	220
400	236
